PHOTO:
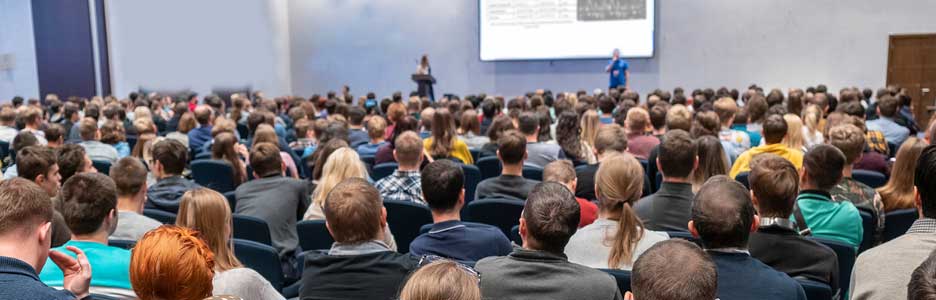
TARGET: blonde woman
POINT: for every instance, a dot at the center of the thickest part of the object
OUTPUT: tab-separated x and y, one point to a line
590	124
812	134
442	280
208	212
617	237
794	137
898	192
342	164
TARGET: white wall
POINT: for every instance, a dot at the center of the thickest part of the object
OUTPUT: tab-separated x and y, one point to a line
16	38
200	45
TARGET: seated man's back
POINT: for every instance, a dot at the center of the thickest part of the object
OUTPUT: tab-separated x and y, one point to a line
169	160
822	170
505	186
669	208
741	276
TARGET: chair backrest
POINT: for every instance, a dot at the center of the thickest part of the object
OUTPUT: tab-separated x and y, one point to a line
644	164
897	222
368	160
123	244
533	173
252	229
846	258
472	179
4	149
475	154
501	213
869	225
685	236
405	219
215	174
892	148
623	279
313	235
383	170
261	258
815	290
870	178
161	216
232	200
743	179
202	155
515	235
102	166
131	142
489	166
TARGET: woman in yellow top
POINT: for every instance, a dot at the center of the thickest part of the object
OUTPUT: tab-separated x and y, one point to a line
444	142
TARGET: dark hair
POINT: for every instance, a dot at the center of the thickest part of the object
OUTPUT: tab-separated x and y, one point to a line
356	115
678	153
722	213
824	164
775	182
489	108
404	124
552	216
568	135
54	132
888	106
442	181
925	181
86	201
33	161
922	285
658	116
498	126
663	272
22	140
512	147
129	175
265	160
775	128
171	154
527	123
70	159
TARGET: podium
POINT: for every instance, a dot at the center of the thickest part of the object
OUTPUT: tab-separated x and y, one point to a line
424	85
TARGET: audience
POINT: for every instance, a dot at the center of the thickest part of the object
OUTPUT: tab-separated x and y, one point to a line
129	176
90	140
774	130
89	205
883	272
202	134
209	213
404	183
898	192
639	143
723	218
359	264
777	242
887	110
276	199
172	262
444	191
512	152
169	160
668	209
375	133
609	140
618	236
444	142
851	141
538	154
356	134
385	153
663	272
815	208
562	171
442	280
540	270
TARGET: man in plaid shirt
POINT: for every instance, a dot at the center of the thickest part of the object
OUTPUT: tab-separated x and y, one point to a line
405	183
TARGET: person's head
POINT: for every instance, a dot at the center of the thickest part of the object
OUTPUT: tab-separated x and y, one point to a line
794	137
425	118
705	123
376	128
924	179
898	192
850	140
209	213
129	176
528	124
922	284
618	185
354	212
610	139
395	112
561	171
678	117
265	134
887	106
187	123
342	164
172	262
822	167
442	279
88	129
674	269
756	108
774	185
55	134
678	155
499	125
443	133
443	186
113	132
89	204
7	116
265	160
203	115
39	164
511	148
72	159
470	122
774	129
408	151
32	116
550	217
638	121
25	221
712	161
722	214
224	148
169	158
405	124
726	108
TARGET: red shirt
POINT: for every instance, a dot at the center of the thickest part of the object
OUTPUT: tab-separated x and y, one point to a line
589	212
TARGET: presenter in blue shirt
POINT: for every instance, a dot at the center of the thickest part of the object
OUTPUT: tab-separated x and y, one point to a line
617	69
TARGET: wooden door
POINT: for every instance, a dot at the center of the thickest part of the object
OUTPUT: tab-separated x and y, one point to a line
911	64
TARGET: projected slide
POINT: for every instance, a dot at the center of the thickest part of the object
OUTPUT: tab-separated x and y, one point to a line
565	29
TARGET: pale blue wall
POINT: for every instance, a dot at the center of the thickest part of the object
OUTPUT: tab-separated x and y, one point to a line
16	37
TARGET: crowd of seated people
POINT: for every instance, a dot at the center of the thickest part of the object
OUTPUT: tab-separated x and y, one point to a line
746	193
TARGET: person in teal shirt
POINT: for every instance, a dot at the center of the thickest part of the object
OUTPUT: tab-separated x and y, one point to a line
89	206
840	221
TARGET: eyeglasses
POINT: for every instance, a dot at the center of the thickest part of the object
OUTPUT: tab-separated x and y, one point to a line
428	259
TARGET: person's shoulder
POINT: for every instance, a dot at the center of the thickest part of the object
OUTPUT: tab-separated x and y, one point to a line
491	263
484	230
244	275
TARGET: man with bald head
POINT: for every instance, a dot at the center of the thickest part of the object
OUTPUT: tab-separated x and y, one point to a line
723	218
662	271
201	135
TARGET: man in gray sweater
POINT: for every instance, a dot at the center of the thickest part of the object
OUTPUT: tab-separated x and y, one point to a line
883	272
540	270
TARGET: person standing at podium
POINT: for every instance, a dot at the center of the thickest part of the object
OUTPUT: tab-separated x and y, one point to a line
425	89
617	69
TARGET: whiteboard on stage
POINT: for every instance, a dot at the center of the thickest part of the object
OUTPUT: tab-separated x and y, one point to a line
565	29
